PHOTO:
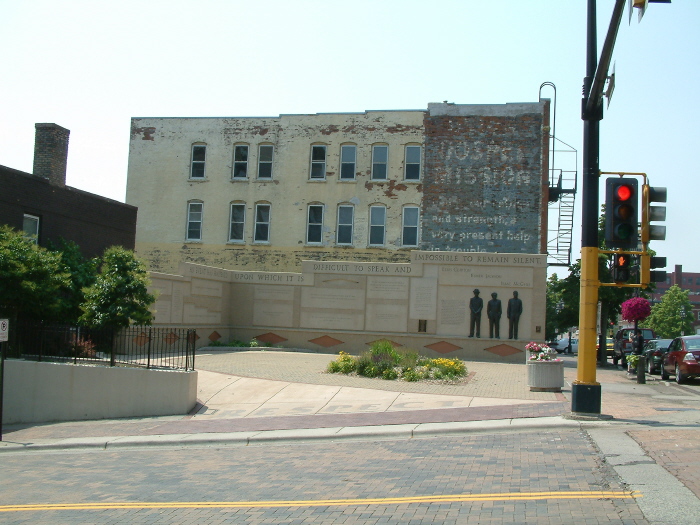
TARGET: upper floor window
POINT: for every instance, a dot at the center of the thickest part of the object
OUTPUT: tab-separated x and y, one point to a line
195	212
346	216
314	225
412	164
377	225
409	226
380	160
265	162
348	158
199	157
237	223
318	162
30	227
262	223
240	161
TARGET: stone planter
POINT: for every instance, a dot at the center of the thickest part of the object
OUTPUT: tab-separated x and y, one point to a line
545	376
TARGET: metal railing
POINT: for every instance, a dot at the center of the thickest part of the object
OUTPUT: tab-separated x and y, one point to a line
136	346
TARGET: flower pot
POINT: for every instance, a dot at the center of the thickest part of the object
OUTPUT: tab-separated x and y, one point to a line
545	376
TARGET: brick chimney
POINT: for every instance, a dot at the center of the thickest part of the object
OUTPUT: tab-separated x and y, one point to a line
51	153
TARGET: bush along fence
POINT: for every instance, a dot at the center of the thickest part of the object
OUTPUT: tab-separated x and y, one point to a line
138	346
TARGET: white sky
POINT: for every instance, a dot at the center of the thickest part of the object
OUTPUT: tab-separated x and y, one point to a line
90	66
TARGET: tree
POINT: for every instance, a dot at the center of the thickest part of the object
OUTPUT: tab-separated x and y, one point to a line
82	273
119	297
31	277
673	316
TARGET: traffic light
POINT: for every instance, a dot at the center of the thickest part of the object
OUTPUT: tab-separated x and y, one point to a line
621	267
653	232
649	276
621	203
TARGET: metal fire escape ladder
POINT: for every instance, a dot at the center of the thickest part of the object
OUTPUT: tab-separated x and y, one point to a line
563	162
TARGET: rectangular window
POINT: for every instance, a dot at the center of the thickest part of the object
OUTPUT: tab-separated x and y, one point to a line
30	227
314	225
412	163
380	159
240	162
194	221
262	223
377	225
237	227
346	215
318	162
265	162
199	154
409	235
348	157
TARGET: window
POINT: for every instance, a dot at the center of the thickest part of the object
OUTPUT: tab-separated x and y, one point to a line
194	221
265	162
314	225
30	227
262	223
377	225
199	154
240	161
348	156
237	227
380	158
346	215
412	163
318	162
409	235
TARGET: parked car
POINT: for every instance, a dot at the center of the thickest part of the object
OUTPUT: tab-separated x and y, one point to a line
682	358
654	352
623	345
564	345
609	346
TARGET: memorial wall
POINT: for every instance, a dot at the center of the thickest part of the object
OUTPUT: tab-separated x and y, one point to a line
474	306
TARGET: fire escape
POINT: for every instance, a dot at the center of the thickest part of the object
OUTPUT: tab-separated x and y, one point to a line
563	162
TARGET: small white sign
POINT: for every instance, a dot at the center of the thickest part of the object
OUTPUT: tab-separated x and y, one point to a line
4	328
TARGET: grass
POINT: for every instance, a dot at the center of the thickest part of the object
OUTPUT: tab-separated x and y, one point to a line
391	363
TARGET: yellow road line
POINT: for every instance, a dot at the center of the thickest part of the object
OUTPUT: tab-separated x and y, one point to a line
453	498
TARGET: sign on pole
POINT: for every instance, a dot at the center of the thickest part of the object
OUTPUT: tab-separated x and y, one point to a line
4	328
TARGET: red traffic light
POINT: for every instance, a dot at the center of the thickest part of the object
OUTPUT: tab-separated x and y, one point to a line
624	192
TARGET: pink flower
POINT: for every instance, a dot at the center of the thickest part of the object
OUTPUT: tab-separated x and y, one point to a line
636	309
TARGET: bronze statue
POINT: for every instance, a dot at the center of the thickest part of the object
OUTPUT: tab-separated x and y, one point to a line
476	304
515	308
493	311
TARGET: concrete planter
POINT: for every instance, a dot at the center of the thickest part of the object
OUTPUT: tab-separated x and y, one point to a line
545	376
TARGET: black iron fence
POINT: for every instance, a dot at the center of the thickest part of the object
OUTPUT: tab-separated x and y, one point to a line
138	346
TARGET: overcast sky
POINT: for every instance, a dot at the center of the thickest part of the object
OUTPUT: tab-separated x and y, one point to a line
90	66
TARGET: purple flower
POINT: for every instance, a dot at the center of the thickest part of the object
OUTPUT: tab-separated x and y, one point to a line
636	309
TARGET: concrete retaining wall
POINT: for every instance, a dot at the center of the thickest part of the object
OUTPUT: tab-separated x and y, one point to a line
40	392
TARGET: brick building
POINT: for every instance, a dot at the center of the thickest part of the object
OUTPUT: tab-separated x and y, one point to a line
685	281
43	206
267	193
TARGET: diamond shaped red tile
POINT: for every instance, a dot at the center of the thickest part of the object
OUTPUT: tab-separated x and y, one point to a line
214	336
325	341
443	347
191	337
270	338
171	338
141	339
503	350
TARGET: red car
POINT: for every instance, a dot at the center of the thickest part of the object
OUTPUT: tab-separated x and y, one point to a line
682	358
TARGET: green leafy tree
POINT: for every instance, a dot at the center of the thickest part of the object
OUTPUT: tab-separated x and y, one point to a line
31	277
119	297
673	316
82	273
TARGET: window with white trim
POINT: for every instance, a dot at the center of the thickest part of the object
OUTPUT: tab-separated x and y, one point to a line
195	213
318	162
30	227
262	223
409	229
265	161
237	222
199	157
412	163
348	159
346	219
314	224
240	161
377	225
380	162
